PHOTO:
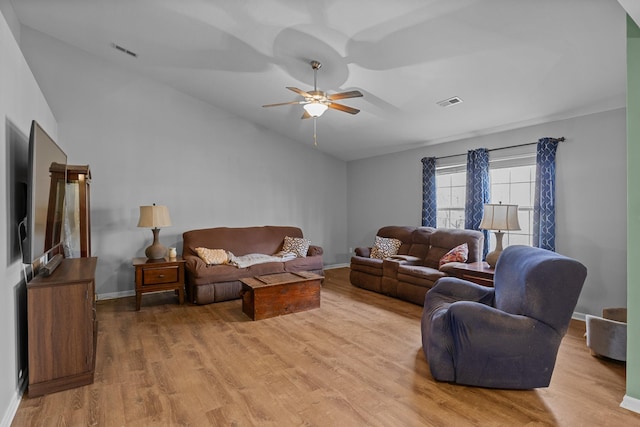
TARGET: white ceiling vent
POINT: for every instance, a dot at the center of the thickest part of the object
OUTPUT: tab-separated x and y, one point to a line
449	102
124	50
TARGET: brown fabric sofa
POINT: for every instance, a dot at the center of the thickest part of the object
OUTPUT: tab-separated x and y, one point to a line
411	273
213	283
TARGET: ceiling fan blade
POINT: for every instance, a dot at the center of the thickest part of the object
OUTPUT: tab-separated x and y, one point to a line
299	92
344	108
344	95
305	115
285	103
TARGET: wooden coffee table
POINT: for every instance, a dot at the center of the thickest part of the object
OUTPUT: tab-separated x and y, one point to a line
282	293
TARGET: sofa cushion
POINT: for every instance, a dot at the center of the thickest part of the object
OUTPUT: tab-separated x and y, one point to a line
458	254
420	242
385	247
419	275
296	245
402	233
442	240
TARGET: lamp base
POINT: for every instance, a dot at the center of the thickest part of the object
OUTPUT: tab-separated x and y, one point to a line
492	257
156	250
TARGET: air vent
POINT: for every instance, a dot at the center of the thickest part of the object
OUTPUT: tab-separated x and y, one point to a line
449	102
124	50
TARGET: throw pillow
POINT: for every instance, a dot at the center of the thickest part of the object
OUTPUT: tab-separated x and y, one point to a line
458	254
296	245
213	256
385	247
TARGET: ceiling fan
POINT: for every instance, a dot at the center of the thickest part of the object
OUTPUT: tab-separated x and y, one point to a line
316	102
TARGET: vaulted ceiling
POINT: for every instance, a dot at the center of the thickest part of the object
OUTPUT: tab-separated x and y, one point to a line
511	62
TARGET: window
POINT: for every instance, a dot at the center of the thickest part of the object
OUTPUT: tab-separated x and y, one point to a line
512	182
515	186
450	190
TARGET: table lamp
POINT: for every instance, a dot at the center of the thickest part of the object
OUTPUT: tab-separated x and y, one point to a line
499	218
154	217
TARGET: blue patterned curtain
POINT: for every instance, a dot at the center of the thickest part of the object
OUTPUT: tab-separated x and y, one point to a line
429	207
477	192
544	208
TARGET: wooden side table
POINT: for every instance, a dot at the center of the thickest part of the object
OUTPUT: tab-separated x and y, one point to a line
476	272
159	275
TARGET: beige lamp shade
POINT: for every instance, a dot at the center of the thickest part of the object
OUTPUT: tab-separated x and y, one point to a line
500	217
154	217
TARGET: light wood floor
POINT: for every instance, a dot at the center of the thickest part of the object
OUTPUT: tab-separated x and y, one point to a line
356	361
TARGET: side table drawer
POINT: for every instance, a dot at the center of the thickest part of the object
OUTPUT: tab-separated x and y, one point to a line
476	272
160	275
479	280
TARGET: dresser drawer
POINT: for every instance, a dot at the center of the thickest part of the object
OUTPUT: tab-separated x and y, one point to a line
160	275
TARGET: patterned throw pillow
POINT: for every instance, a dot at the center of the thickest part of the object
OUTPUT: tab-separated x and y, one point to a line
385	247
457	254
213	256
296	245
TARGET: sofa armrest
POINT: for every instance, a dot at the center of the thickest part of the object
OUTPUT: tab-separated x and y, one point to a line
194	263
390	265
315	250
363	252
452	289
450	267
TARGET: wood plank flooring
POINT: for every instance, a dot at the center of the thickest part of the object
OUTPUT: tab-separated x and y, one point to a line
355	361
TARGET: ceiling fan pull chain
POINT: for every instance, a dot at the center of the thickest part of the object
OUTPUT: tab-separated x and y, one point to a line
315	139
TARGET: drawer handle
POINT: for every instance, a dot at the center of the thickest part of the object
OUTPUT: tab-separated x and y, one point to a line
161	276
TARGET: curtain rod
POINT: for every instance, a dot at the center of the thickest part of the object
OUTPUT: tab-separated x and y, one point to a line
504	148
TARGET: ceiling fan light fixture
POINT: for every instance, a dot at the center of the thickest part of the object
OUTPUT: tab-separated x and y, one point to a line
315	109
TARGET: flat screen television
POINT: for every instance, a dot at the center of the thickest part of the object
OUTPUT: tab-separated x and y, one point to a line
43	233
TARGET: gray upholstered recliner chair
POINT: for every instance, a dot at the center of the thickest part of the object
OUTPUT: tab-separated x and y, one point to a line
507	336
607	335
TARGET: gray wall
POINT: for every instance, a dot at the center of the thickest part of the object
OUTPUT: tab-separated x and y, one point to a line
138	135
147	143
591	196
20	102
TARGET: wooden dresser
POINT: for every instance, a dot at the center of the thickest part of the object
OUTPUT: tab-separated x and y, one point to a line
62	327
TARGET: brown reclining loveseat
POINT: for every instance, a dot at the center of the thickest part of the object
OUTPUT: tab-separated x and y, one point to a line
411	273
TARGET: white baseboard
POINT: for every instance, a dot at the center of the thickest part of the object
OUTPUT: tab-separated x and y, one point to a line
630	403
116	295
579	316
10	413
332	266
